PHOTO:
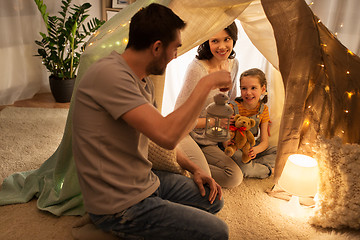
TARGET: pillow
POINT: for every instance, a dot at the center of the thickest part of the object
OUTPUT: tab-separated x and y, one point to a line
338	203
165	160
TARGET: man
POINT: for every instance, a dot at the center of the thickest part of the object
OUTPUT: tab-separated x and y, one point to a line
113	118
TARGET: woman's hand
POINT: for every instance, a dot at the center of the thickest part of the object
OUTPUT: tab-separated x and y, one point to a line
200	178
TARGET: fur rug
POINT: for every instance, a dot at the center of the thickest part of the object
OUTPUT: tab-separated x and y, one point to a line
28	136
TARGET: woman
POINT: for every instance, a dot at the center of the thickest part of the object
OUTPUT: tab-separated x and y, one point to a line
213	55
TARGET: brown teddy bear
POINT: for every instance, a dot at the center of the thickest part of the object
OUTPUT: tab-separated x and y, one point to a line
241	137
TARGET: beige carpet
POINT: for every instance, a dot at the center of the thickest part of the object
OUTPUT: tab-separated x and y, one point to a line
28	136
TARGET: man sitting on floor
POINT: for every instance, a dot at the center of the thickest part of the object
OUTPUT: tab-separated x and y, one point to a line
113	119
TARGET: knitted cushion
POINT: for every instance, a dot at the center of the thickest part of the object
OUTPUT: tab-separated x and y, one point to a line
338	205
164	160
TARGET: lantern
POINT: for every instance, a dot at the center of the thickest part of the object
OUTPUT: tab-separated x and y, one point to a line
218	119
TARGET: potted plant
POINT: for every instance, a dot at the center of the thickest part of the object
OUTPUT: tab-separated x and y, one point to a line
62	44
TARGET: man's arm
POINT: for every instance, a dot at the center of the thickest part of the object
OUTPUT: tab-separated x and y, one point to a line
199	176
168	131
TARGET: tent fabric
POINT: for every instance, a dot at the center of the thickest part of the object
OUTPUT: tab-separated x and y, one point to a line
300	58
321	79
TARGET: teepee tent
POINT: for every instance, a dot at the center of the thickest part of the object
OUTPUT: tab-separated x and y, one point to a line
320	76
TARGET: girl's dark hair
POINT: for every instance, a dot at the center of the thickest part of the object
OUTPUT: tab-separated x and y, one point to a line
204	51
255	72
152	23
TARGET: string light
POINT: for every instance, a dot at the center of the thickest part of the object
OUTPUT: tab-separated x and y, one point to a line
306	123
351	53
350	94
347	106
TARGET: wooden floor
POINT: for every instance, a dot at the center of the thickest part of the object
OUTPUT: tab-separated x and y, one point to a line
40	100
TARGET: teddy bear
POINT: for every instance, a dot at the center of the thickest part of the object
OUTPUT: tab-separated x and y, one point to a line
241	137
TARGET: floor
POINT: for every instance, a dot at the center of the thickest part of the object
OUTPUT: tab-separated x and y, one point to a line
40	100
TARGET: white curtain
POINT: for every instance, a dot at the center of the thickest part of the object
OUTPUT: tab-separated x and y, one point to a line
21	73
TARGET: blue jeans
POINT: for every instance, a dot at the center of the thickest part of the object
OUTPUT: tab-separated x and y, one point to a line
176	210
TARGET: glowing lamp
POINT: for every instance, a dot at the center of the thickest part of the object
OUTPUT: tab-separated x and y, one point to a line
300	176
218	116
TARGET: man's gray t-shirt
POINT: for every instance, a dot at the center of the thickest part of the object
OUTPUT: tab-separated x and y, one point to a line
111	157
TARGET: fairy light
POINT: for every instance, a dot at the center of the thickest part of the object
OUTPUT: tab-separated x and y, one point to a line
306	123
350	52
349	94
125	40
124	24
346	71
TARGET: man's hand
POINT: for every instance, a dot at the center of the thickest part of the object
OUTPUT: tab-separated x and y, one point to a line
219	80
199	176
201	179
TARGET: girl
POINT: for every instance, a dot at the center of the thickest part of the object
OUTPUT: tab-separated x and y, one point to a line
213	55
252	104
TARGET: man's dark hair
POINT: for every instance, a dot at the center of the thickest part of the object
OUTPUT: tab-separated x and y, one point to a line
152	23
204	51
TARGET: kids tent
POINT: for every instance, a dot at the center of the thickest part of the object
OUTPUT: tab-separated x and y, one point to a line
320	76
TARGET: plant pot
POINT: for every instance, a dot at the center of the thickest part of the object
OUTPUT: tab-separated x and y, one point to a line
61	89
